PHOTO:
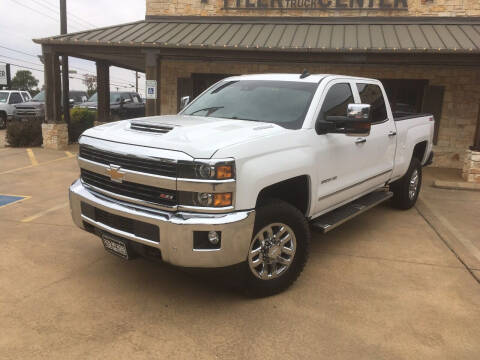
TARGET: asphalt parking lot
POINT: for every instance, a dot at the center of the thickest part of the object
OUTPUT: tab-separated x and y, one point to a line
387	285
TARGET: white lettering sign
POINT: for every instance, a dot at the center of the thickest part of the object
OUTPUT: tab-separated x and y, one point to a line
151	90
3	74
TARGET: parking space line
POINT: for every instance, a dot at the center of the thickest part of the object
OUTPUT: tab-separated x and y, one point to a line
29	166
32	158
68	153
44	212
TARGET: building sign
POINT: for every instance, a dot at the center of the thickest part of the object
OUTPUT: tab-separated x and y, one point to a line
151	91
337	5
3	75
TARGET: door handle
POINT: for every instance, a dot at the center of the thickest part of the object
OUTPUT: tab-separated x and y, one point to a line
392	133
360	141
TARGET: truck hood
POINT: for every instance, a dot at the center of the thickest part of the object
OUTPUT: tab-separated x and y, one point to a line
198	137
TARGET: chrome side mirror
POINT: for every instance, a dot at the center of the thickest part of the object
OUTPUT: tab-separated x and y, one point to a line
358	120
184	102
358	112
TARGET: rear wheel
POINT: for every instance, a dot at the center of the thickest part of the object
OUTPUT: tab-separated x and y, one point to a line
279	248
406	189
3	121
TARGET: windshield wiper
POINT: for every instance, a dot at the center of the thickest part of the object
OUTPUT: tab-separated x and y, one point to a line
209	110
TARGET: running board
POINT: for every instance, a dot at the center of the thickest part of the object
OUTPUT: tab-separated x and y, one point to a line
334	218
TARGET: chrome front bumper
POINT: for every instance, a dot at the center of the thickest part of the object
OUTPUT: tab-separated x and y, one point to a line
176	229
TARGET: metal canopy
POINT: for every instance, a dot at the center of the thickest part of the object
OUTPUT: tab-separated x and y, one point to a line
390	35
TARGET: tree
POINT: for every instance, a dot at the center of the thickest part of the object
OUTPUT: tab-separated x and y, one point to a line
24	80
90	81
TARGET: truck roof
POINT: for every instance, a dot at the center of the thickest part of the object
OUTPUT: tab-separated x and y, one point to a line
313	78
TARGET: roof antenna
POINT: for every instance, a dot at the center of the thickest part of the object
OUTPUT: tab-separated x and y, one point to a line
305	74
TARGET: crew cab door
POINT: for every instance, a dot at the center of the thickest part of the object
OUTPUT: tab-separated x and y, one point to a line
381	143
348	166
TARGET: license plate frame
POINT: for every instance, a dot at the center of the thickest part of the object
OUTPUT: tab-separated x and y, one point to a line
116	246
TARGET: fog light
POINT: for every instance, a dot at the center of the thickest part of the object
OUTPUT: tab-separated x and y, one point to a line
204	199
213	237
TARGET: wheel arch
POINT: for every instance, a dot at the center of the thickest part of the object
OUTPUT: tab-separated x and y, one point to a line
295	191
419	151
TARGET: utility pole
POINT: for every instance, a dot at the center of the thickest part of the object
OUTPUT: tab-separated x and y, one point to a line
65	80
136	82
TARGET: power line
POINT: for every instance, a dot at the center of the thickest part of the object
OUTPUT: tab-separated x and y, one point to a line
36	57
37	11
18	51
70	14
51	7
121	86
17	59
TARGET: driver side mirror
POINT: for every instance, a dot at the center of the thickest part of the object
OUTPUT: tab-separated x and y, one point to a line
184	102
356	123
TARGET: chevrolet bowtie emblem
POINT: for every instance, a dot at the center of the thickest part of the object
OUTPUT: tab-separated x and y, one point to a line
115	172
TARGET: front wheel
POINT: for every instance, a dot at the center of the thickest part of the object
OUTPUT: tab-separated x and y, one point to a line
406	189
279	248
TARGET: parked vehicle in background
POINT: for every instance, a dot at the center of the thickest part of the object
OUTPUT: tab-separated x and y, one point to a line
237	177
35	108
8	100
123	105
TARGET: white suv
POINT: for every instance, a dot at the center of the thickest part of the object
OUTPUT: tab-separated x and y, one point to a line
8	99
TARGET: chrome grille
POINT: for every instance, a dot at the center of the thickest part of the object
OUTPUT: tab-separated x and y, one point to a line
149	166
132	190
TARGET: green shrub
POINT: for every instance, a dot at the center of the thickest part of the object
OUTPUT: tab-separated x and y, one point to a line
80	120
24	133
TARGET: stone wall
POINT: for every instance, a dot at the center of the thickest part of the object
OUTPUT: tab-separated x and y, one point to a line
460	106
304	8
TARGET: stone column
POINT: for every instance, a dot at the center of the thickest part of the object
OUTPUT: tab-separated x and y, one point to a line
103	89
54	130
152	72
471	166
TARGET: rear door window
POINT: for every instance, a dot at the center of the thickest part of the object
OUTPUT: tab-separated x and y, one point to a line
15	98
372	94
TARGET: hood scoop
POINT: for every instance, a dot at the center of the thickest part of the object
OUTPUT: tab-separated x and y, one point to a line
150	127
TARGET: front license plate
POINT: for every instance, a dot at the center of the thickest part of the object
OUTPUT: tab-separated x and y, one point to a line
115	246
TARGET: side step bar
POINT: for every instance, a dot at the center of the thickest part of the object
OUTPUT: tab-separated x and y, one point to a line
334	218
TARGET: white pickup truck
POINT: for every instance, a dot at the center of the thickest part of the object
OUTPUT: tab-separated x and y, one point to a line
243	172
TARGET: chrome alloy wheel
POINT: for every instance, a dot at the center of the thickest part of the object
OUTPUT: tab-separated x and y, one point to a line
413	185
272	251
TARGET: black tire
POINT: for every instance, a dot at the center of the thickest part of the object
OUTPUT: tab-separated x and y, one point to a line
402	198
274	212
3	121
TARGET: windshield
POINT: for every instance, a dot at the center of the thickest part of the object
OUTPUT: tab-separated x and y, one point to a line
284	103
114	98
3	97
40	97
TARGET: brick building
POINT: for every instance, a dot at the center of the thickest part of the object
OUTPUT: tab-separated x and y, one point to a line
427	53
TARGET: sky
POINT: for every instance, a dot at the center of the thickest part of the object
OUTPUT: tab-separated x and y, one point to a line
24	20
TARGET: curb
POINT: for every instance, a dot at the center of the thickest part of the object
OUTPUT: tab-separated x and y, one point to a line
456	185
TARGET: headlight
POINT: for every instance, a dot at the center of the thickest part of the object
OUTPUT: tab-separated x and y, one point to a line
215	200
207	170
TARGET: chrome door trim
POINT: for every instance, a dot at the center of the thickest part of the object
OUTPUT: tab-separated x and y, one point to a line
356	184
